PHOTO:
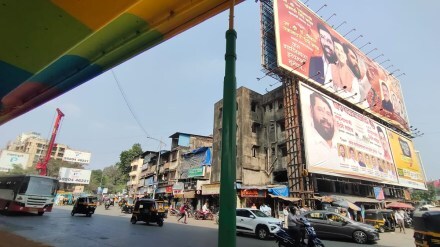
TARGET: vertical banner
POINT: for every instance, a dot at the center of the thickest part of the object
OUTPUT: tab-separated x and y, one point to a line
409	169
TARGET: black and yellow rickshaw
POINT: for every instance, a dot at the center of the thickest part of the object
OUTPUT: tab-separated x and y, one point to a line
127	207
149	211
382	219
427	228
85	205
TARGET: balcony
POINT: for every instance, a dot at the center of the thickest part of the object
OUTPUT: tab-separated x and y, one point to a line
133	174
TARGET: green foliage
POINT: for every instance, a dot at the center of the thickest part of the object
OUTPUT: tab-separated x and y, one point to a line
53	167
125	159
424	195
18	170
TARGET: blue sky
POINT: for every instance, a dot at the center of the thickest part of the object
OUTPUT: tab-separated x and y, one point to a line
173	87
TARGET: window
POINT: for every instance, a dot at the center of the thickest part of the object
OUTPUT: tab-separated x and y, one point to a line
334	217
254	127
243	213
269	107
283	150
280	105
282	125
220	111
273	151
254	151
317	216
253	107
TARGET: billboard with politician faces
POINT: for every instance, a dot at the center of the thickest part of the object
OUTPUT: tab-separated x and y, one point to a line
310	48
340	141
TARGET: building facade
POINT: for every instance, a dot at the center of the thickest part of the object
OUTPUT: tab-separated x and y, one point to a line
36	146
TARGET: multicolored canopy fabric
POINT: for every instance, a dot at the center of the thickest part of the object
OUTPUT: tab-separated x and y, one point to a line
50	47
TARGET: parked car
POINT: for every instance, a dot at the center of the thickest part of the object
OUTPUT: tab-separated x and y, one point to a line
333	225
254	221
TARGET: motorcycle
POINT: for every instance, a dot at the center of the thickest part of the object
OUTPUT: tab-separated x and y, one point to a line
174	212
107	204
199	215
283	238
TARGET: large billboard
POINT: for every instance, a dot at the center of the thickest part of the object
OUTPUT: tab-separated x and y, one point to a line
10	158
74	176
77	156
409	169
308	47
342	142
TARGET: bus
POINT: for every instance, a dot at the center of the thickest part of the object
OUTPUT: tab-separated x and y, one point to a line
27	193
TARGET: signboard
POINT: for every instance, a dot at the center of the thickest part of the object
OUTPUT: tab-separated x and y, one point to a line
253	193
342	142
196	172
78	189
10	158
378	193
77	156
75	176
409	169
211	189
308	47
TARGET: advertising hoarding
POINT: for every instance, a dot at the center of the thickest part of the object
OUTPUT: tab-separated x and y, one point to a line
74	176
10	158
342	142
77	156
333	63
409	169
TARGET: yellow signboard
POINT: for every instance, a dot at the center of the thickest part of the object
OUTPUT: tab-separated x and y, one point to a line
409	169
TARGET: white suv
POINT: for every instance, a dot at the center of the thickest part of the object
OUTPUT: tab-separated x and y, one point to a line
256	222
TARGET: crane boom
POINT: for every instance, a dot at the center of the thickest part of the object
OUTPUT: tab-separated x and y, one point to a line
42	164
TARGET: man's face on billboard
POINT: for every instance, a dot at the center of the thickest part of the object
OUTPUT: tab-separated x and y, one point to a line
360	157
342	151
383	140
342	58
323	119
386	93
327	45
353	64
352	155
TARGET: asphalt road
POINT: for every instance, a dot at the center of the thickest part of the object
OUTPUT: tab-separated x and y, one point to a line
112	228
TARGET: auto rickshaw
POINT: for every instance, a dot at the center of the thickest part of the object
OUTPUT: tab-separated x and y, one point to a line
148	210
381	219
127	207
163	204
427	228
85	205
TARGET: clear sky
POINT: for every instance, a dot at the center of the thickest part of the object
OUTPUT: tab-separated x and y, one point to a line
173	86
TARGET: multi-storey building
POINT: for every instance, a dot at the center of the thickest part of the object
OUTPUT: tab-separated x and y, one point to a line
261	144
181	171
36	146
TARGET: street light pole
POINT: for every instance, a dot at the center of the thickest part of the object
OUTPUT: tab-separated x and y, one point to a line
228	199
156	182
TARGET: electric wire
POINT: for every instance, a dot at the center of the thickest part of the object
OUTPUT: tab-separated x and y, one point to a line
128	104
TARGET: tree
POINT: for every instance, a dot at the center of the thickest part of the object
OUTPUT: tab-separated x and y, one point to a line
19	170
424	195
53	167
125	159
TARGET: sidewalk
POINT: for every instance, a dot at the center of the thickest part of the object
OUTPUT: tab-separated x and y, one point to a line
9	239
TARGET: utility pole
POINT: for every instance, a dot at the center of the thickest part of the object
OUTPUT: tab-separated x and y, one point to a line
156	178
228	198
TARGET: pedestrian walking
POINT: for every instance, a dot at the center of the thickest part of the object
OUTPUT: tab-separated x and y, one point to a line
183	212
398	215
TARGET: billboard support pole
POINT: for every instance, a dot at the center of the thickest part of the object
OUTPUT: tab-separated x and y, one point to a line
228	199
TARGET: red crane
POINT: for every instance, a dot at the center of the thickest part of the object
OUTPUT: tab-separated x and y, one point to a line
42	164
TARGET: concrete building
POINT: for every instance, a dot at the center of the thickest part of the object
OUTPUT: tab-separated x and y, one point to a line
261	148
36	146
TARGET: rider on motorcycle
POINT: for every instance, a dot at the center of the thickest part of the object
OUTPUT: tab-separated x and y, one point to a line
294	226
205	208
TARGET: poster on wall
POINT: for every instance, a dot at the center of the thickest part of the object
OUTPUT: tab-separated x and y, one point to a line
308	47
409	169
342	142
